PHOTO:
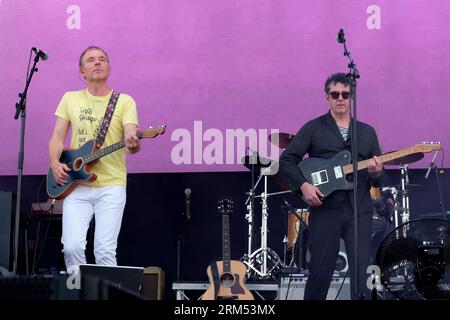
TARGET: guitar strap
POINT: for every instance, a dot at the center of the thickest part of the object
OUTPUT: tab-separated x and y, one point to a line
215	276
107	119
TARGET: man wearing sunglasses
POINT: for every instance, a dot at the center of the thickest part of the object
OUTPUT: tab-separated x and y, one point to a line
332	217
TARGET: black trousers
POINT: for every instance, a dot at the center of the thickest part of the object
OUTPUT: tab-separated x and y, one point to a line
326	228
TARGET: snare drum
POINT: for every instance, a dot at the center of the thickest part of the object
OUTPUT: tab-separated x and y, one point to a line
294	225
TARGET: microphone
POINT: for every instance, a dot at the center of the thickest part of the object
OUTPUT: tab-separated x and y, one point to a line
187	193
431	165
341	37
40	53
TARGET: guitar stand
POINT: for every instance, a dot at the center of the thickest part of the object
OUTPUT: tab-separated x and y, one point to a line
264	262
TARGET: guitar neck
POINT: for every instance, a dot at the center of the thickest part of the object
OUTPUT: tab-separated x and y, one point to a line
107	150
383	158
226	251
103	152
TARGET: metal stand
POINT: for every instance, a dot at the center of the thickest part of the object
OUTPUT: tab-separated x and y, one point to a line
402	211
249	216
263	262
21	111
353	75
405	197
180	241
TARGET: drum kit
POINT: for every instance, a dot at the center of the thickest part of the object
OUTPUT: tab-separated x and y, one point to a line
391	206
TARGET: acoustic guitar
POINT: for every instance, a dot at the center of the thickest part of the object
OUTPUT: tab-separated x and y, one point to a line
329	174
226	277
82	160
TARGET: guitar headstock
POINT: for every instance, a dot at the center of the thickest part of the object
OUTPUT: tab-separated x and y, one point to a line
152	132
225	206
427	146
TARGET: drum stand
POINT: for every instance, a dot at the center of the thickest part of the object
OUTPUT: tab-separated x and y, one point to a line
404	209
263	262
249	217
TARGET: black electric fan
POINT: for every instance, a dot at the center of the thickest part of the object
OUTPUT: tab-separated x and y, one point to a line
414	260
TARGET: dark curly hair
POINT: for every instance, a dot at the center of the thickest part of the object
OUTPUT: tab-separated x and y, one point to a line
339	77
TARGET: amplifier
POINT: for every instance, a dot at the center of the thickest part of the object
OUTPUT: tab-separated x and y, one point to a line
293	288
7	212
152	286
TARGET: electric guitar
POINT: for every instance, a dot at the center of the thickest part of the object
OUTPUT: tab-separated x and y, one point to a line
82	160
329	174
226	277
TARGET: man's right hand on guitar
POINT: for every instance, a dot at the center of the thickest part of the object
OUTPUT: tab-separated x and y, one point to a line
311	194
59	171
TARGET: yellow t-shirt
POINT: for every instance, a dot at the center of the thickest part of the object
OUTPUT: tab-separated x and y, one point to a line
85	113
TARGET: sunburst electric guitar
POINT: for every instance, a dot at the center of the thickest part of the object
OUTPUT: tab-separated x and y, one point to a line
81	161
329	174
226	277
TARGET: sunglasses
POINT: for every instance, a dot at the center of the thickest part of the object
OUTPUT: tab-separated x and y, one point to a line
335	94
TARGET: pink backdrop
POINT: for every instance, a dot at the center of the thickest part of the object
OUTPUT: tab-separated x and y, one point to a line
231	64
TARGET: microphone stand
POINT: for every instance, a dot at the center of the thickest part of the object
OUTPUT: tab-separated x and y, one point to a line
21	110
180	236
353	75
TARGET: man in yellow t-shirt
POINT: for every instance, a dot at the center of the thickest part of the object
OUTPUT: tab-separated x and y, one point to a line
105	197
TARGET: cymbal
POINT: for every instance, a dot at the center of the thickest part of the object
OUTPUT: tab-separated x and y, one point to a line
406	159
281	139
257	161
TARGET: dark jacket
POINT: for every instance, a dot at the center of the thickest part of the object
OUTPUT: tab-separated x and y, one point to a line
321	138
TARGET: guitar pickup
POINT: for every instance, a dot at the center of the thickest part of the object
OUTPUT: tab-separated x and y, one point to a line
319	177
338	172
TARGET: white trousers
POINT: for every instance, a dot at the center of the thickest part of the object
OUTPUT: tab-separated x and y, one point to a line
107	203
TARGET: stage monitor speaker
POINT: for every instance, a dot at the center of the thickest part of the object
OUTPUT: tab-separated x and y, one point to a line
293	288
153	283
7	211
123	276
